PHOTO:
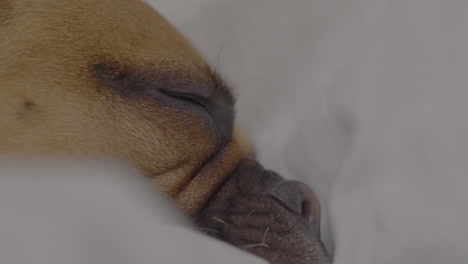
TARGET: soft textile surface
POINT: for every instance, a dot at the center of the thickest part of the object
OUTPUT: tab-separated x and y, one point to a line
90	212
365	100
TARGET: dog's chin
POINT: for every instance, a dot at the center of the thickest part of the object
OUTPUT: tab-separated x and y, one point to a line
246	212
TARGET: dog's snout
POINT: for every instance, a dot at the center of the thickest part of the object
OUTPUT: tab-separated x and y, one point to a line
299	198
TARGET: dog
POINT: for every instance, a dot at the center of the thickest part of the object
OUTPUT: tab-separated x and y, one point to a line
113	79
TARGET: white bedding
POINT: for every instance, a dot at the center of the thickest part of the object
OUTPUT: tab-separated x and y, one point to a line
365	100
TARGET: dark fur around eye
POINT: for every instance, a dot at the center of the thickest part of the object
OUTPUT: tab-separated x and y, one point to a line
187	96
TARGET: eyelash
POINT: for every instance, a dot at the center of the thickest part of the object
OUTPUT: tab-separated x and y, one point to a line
188	97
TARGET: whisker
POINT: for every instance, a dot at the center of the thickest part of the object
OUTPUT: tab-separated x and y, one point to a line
249	246
219	220
210	230
218	56
265	234
250	213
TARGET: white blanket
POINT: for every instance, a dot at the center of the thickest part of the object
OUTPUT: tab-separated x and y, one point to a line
366	100
90	212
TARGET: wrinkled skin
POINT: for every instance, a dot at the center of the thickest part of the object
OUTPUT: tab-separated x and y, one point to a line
249	213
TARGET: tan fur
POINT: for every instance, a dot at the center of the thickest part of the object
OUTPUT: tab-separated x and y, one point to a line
51	104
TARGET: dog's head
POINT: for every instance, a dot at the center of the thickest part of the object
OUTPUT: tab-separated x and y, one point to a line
113	79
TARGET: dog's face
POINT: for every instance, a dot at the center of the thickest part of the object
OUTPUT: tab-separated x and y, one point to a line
75	78
113	79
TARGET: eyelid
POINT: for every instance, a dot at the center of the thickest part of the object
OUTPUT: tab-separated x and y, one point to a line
187	96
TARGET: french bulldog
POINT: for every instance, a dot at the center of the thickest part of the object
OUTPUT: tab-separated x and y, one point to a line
113	79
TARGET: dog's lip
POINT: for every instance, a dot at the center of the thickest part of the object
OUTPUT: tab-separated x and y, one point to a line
207	180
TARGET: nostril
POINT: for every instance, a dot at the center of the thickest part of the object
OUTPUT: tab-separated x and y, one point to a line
299	198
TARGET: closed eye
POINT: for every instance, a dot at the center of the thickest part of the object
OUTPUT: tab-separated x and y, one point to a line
188	97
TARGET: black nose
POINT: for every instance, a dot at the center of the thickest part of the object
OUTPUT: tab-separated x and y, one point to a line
299	198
